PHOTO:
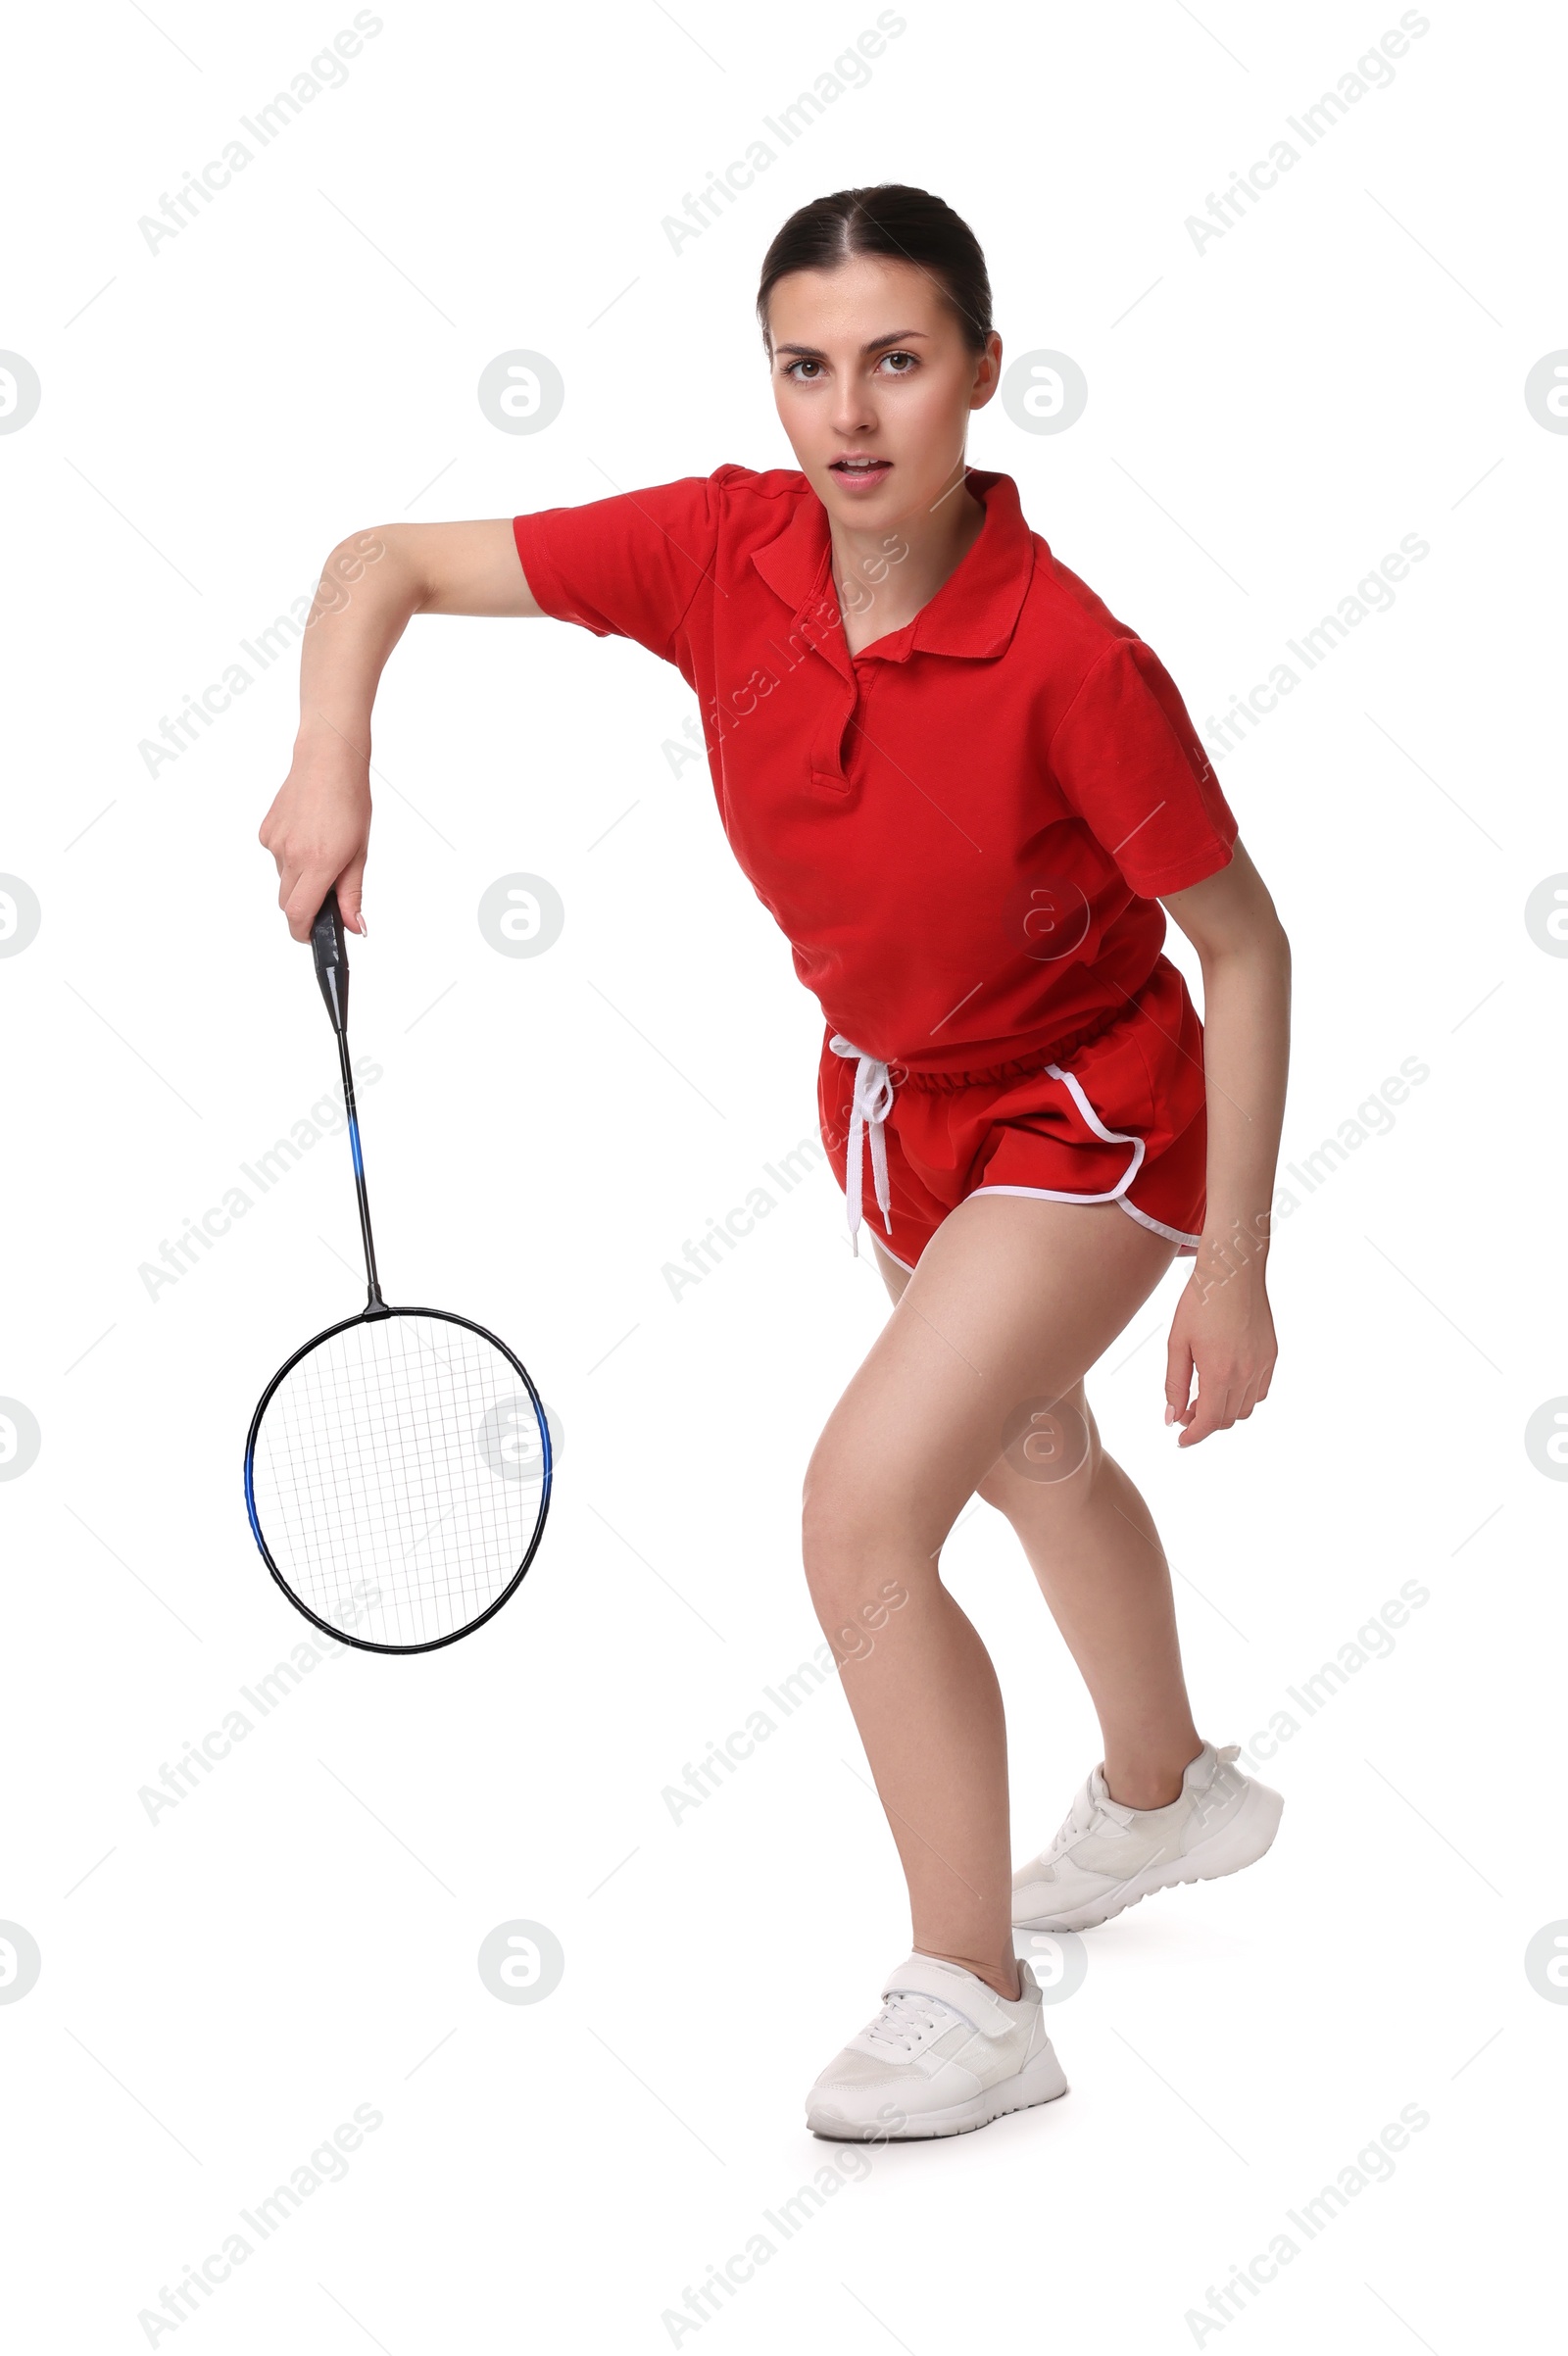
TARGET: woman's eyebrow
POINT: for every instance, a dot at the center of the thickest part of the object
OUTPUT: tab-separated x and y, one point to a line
901	335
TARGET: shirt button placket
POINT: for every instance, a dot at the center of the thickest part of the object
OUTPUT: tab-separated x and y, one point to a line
830	755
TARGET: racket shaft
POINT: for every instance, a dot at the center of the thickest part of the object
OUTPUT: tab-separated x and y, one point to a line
365	1237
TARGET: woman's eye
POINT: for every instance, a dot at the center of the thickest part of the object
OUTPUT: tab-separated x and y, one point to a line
900	363
801	364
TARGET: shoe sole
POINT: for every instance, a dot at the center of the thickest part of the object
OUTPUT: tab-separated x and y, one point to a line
1249	1835
1041	2081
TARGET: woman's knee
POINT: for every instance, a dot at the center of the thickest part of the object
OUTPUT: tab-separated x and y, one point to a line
847	1527
862	1528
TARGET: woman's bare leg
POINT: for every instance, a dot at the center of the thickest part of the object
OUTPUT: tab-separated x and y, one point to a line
1014	1299
1092	1544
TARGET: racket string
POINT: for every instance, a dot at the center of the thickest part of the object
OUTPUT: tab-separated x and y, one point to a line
386	1481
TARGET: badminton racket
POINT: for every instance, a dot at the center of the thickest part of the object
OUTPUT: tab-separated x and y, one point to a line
397	1471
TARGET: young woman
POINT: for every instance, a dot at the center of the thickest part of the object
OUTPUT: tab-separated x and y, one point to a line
963	789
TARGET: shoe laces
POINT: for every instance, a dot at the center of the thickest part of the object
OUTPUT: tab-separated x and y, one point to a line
905	2020
1081	1818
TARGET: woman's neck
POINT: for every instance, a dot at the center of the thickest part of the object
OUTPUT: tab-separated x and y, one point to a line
885	574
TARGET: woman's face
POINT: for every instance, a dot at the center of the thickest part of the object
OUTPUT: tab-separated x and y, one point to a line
874	386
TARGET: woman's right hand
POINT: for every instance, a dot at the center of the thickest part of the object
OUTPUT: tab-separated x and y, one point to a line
318	831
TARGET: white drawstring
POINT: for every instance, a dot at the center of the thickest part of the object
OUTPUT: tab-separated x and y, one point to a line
873	1102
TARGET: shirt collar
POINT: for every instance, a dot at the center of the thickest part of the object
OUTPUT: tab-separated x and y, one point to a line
974	612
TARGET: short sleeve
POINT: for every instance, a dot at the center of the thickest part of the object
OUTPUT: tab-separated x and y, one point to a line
1133	766
627	566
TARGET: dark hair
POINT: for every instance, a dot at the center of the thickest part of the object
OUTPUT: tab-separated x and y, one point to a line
897	224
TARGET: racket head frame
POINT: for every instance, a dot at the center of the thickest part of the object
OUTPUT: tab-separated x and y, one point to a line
368	1316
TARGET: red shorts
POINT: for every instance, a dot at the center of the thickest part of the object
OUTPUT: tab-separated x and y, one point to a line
1114	1117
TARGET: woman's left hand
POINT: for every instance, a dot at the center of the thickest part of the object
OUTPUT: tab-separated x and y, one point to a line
1223	1333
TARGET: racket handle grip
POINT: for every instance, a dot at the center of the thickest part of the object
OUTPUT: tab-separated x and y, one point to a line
331	949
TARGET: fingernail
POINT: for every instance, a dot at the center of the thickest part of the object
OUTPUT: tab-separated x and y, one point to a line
365	930
1171	1413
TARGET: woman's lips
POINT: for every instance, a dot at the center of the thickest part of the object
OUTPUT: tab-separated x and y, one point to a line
860	474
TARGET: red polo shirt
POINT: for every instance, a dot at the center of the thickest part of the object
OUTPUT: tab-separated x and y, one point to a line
964	828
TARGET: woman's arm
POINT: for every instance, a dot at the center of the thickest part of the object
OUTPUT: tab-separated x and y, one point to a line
1223	1328
318	826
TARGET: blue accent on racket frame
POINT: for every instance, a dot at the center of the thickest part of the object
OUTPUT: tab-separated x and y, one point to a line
250	1502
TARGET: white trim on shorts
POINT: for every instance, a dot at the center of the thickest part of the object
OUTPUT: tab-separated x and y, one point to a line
1172	1235
888	1253
1111	1136
1117	1194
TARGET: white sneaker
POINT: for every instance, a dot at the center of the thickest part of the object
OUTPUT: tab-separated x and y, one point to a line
945	2054
1106	1857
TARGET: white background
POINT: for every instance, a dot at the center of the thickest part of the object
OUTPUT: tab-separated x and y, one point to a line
1266	418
